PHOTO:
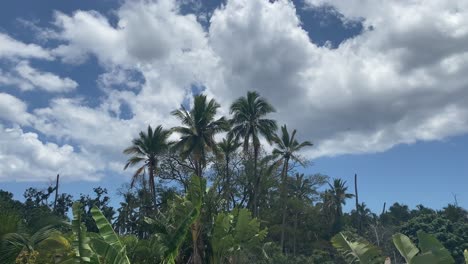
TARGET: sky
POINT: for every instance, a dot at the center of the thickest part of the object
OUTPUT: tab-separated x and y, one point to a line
380	87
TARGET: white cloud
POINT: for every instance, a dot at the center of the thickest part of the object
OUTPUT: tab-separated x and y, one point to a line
44	80
13	109
401	82
382	87
24	157
27	78
11	48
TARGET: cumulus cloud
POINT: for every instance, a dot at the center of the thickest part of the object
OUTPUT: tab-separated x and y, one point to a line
43	80
24	157
402	80
13	109
27	78
12	48
379	87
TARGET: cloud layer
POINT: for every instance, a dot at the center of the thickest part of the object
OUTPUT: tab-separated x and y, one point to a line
401	80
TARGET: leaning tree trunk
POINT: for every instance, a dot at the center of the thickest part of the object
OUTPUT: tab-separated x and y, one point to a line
284	174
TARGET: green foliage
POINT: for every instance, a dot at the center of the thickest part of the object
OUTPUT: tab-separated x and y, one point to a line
81	242
93	248
453	235
430	250
172	228
358	251
235	235
25	247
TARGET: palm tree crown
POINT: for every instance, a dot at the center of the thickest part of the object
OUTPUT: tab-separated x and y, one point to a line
146	149
198	130
287	146
249	121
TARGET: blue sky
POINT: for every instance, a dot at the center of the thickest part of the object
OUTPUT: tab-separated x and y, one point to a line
380	91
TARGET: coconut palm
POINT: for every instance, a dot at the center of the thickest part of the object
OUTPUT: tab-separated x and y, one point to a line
145	151
336	198
286	148
196	141
249	123
228	146
197	134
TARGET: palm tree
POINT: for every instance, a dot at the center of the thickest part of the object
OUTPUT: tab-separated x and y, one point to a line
337	195
250	123
196	141
286	148
228	146
197	134
147	149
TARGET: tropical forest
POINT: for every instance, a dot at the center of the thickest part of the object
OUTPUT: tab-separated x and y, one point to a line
224	189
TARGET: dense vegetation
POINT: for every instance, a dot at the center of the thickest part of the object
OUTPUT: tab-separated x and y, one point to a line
240	199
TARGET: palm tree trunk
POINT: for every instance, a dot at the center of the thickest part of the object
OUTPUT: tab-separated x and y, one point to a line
227	188
358	215
152	184
283	199
56	191
256	185
196	226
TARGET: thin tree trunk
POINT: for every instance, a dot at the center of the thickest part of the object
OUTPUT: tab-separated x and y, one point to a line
196	227
284	200
358	216
152	184
383	210
257	184
227	188
295	233
56	191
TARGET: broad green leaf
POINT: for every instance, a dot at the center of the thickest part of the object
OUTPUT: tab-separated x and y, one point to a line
81	243
357	252
428	243
404	245
108	253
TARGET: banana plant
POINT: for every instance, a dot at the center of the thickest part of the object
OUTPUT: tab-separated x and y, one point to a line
94	248
173	227
233	234
430	250
358	251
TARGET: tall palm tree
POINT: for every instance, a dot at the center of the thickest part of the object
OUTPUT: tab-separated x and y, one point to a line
337	195
286	148
228	146
197	134
196	140
249	123
146	150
